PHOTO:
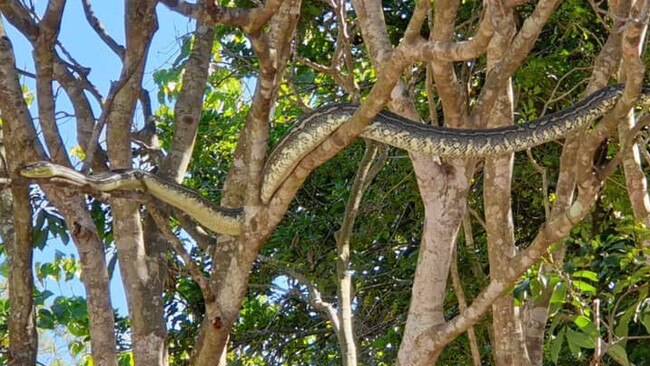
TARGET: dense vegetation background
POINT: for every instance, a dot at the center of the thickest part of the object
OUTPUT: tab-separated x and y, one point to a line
596	286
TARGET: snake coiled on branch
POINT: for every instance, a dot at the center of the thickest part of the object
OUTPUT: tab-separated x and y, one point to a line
312	129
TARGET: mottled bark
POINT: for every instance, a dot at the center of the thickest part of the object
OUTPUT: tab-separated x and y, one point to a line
635	179
20	130
17	239
187	114
187	110
508	339
20	347
23	340
535	310
6	205
462	302
435	338
445	79
443	186
250	20
373	159
74	86
44	57
142	263
512	59
233	257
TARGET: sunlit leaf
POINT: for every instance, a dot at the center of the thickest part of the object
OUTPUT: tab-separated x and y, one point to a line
618	353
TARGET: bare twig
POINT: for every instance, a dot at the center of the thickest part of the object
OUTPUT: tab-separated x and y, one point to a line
542	171
627	144
315	297
116	87
26	73
196	272
250	20
477	217
462	305
98	27
598	349
562	96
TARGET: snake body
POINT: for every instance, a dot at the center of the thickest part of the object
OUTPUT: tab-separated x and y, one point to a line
314	128
219	219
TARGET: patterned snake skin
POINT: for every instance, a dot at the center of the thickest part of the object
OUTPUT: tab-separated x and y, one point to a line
314	128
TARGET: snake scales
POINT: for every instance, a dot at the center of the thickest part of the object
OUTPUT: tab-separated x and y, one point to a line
315	127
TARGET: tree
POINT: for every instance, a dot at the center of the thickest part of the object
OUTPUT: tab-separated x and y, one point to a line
456	63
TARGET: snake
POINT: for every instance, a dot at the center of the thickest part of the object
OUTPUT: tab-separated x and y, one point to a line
315	127
219	219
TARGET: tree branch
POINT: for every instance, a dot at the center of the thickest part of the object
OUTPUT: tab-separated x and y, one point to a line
250	20
455	50
44	57
196	272
98	27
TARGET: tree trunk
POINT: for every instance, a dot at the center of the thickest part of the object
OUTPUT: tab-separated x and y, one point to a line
25	146
141	263
23	340
509	346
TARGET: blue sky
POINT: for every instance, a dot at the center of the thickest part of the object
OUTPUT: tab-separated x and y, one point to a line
87	48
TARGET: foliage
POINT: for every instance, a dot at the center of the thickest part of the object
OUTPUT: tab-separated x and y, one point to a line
278	325
606	267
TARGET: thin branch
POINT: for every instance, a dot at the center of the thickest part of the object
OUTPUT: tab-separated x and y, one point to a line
462	304
26	73
128	71
98	27
182	7
514	57
72	62
477	217
250	20
315	298
628	143
204	240
422	8
542	171
195	271
598	349
374	156
564	95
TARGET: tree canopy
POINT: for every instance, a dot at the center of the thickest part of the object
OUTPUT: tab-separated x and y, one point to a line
366	254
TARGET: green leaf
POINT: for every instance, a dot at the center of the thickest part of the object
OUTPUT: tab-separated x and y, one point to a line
593	276
125	359
556	346
645	320
573	347
584	287
39	238
87	361
76	347
622	328
45	319
40	298
77	329
618	353
582	321
580	339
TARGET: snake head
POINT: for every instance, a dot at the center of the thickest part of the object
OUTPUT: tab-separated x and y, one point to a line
41	169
